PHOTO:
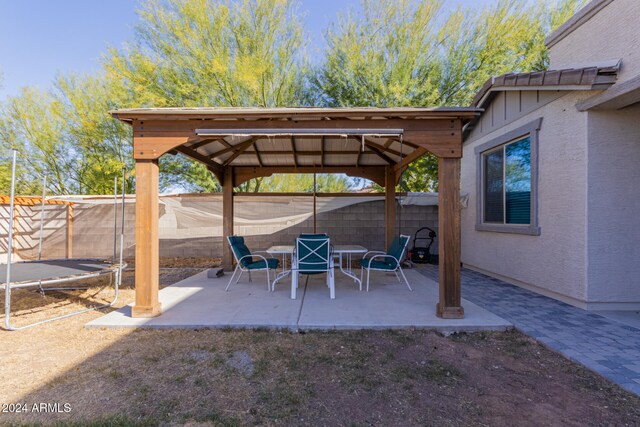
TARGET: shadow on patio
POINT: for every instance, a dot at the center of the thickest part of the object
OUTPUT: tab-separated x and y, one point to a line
201	302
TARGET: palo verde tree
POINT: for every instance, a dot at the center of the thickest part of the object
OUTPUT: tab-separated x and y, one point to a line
288	183
67	135
244	53
409	53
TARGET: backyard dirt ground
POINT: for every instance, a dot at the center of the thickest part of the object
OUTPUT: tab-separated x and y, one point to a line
260	377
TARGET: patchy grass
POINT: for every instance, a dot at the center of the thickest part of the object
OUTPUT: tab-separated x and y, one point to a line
261	377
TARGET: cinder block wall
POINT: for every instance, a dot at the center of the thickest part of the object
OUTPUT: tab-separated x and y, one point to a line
358	224
361	223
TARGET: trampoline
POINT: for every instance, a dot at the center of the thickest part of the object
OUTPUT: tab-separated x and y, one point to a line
53	271
42	274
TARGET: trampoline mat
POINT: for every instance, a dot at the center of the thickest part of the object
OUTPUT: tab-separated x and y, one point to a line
33	271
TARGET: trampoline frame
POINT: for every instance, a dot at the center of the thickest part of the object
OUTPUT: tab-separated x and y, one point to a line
115	267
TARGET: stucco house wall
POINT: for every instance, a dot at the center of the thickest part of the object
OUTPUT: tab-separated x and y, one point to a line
588	250
554	262
613	229
612	33
614	208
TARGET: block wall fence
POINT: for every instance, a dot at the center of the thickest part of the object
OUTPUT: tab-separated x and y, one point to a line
191	226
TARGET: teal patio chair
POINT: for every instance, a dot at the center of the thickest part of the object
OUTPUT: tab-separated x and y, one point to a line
312	255
247	261
389	261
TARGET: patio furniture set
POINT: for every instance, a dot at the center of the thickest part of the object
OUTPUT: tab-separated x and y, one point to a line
314	254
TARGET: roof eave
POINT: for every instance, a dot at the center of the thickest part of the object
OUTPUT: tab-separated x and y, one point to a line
618	96
488	96
129	115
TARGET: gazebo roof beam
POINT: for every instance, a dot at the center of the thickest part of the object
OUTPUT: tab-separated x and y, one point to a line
240	148
376	150
226	144
404	142
410	144
229	147
293	150
384	148
380	154
221	152
213	166
206	141
406	160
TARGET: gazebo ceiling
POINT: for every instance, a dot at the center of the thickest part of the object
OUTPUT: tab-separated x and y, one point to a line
350	140
297	151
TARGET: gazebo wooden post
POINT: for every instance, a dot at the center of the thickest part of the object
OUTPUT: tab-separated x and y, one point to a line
315	201
227	217
147	243
449	305
389	205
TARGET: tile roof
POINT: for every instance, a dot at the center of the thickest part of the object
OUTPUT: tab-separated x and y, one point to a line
585	78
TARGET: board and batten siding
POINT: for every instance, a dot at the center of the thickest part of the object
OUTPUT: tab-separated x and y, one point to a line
553	263
511	105
612	33
614	209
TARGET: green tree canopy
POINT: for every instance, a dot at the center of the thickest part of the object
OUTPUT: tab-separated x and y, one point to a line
221	54
67	135
191	53
408	53
252	53
303	183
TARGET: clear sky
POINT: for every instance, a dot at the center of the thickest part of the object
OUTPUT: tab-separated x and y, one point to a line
40	38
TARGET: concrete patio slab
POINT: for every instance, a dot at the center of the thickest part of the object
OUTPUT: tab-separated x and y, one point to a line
201	302
388	304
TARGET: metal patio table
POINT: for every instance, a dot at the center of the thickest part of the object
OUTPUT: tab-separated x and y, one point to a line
340	250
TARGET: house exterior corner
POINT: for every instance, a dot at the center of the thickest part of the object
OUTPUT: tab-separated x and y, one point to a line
553	188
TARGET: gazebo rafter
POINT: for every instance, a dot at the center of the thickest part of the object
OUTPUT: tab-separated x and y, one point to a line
379	152
240	149
205	141
214	167
293	151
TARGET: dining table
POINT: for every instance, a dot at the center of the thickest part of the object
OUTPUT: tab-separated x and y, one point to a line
343	252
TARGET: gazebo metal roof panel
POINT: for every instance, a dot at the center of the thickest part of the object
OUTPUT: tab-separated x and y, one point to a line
129	114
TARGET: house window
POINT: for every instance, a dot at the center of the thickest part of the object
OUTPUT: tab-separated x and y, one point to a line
507	178
507	183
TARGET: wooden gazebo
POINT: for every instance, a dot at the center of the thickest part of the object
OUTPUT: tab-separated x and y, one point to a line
237	144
